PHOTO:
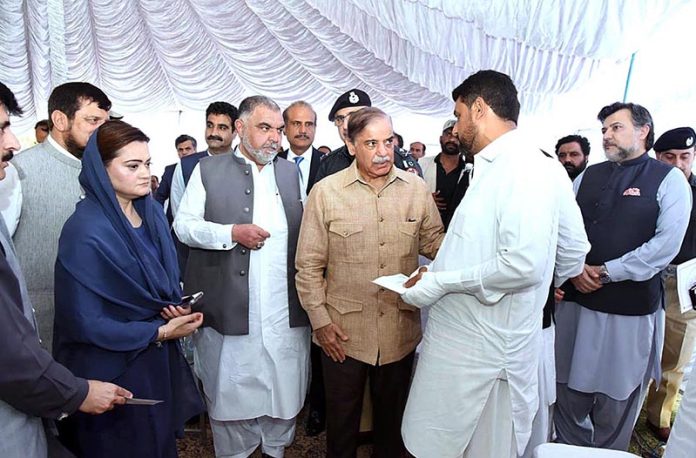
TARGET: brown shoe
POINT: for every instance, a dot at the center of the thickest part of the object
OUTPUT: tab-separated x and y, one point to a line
660	433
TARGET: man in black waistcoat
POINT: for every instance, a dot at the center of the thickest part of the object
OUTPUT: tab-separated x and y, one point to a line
609	325
674	147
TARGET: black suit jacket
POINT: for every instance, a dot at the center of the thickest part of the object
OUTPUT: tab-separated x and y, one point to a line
317	156
165	188
31	380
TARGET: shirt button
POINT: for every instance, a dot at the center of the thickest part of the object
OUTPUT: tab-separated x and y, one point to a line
224	245
247	191
243	251
246	209
246	172
381	313
382	266
242	272
381	290
381	219
381	243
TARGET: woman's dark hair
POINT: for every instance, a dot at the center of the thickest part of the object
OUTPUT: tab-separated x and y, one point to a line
114	135
358	121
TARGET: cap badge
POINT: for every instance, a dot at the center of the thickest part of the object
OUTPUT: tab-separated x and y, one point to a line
689	141
353	97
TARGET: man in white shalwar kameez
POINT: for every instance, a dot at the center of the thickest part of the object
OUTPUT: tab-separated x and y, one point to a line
241	215
475	391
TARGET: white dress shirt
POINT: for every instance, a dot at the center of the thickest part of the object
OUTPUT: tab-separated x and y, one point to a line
11	198
488	285
305	166
176	192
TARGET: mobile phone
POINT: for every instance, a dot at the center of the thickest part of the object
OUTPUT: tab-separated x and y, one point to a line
188	301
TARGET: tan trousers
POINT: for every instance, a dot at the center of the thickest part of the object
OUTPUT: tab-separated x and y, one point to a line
680	337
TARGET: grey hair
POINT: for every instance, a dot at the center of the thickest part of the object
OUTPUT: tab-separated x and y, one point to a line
248	105
299	103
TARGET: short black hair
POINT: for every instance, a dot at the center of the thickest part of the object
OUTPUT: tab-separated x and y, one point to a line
42	123
495	88
9	101
185	138
399	140
640	116
68	97
223	108
579	139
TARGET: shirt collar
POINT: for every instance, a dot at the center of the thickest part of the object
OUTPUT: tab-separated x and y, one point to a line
60	149
292	155
499	146
353	176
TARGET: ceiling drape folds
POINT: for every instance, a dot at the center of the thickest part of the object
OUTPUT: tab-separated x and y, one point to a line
408	55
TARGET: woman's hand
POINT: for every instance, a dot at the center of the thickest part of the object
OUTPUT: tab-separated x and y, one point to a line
174	311
180	326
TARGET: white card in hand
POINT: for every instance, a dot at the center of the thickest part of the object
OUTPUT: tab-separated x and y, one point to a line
142	402
392	282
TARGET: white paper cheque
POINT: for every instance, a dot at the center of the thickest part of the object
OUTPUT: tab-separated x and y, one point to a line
392	282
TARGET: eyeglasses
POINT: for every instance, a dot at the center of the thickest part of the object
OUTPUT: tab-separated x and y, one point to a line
338	120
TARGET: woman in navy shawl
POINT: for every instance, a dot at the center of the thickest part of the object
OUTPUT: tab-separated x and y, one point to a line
115	274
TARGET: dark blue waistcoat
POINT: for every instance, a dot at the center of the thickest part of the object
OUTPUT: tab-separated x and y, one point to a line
188	163
619	207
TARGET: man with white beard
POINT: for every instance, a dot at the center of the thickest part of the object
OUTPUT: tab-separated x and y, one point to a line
241	216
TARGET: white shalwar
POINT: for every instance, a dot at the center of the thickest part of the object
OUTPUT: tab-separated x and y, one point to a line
265	373
488	285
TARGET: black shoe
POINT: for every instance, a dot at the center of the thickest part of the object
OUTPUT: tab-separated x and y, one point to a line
316	423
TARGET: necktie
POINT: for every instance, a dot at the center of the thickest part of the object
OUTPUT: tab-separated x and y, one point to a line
298	160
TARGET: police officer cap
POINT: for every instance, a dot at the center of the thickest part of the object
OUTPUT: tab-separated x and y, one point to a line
679	138
352	98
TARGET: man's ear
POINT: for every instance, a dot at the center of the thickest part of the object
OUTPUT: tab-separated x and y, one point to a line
478	108
60	121
238	127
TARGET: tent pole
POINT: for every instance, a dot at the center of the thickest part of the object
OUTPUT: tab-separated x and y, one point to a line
628	76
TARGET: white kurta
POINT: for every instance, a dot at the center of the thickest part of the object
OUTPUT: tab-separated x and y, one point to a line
264	373
488	284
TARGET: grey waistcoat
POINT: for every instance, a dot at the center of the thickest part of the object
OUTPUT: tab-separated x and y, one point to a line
223	275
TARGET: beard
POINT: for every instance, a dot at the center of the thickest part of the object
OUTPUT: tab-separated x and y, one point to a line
450	148
621	154
574	171
73	147
260	156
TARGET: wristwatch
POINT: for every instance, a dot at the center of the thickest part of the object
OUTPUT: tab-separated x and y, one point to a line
604	277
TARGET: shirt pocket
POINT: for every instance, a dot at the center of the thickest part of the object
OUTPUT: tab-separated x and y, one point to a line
408	238
347	242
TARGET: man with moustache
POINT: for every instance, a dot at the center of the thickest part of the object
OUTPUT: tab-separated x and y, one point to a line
475	390
50	189
219	135
366	221
675	147
447	174
300	127
573	152
417	150
609	326
341	158
241	216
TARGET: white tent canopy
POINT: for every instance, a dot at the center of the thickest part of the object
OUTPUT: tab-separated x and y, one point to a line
174	57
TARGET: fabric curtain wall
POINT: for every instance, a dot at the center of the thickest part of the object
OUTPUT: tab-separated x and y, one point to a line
153	55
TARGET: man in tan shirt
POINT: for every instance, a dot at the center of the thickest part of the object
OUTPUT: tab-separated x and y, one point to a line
364	222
